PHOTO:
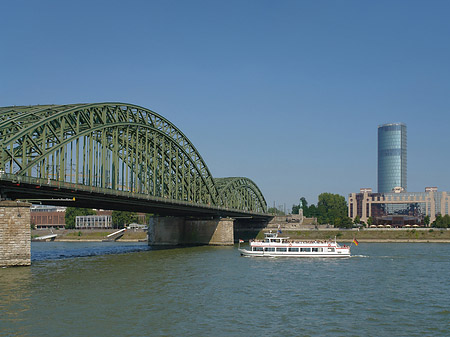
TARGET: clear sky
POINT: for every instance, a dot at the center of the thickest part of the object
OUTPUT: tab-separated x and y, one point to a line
286	93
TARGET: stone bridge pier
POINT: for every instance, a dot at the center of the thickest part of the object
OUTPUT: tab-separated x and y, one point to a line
173	231
15	233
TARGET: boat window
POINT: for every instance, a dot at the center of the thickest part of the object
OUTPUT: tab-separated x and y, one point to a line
305	249
269	249
291	249
266	240
331	249
258	249
282	249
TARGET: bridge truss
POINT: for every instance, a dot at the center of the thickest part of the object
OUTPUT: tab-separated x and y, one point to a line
114	148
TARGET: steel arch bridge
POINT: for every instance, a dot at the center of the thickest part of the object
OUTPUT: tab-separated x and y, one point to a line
117	149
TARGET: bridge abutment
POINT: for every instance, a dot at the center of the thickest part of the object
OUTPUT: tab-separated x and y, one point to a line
15	234
172	231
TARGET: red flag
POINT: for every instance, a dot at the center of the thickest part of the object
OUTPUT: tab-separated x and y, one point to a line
241	241
355	241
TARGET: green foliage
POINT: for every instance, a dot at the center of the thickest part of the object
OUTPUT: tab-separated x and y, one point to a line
295	209
357	220
344	222
426	220
276	211
308	212
72	213
441	221
122	218
332	209
370	221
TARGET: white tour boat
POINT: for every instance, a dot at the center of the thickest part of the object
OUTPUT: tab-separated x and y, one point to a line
275	246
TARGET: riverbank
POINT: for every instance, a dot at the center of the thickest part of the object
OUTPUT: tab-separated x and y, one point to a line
91	235
368	235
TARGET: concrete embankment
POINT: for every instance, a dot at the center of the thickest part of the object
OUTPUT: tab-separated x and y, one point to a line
342	235
91	235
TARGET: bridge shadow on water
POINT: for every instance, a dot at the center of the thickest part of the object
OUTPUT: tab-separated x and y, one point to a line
41	251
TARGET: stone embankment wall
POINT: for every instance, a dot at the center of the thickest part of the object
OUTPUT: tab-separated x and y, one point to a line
15	233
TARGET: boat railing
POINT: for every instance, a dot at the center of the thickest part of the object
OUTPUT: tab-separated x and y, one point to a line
325	242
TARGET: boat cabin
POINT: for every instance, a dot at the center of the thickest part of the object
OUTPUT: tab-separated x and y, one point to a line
273	238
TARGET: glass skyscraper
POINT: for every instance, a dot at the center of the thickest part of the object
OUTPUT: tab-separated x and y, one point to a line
391	157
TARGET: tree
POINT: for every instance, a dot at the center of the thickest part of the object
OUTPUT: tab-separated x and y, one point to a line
357	220
426	220
346	222
442	221
122	218
331	208
295	209
369	221
446	220
72	213
276	211
313	212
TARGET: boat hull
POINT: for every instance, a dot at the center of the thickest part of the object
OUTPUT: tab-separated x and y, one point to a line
245	252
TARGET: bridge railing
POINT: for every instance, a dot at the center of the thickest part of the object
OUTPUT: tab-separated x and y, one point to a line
15	179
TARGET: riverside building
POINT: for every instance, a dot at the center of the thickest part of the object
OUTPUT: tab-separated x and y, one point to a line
93	222
42	217
392	162
398	208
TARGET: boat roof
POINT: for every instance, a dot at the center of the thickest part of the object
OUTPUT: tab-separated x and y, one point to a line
274	235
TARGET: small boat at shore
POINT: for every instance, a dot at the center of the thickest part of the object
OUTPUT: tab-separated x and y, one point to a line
274	246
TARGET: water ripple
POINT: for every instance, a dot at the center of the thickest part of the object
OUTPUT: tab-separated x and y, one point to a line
86	289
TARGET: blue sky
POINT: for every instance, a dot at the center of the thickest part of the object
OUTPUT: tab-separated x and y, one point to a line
287	93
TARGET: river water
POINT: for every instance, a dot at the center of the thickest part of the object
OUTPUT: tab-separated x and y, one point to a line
127	289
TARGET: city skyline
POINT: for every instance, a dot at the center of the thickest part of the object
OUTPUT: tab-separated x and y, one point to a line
287	94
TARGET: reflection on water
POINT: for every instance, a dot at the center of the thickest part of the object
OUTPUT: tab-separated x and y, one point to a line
15	292
386	290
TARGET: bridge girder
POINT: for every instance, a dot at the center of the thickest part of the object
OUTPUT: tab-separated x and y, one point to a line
115	146
241	193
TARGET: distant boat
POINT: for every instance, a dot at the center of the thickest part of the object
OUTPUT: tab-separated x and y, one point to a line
275	246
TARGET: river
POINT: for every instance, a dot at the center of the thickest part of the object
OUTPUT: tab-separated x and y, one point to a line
127	289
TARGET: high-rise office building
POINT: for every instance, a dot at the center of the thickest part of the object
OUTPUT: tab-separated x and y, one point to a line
391	157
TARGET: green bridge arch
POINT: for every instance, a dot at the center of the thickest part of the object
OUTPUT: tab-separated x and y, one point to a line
115	146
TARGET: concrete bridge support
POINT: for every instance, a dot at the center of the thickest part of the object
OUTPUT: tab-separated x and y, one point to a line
15	233
172	231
